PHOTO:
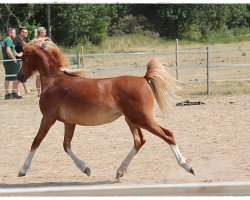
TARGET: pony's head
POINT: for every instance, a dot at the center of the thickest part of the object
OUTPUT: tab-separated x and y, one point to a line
33	54
27	68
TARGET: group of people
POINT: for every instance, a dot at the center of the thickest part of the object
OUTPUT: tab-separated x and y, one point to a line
12	50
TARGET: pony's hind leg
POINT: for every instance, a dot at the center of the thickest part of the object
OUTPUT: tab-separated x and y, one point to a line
46	123
139	141
68	135
180	159
168	136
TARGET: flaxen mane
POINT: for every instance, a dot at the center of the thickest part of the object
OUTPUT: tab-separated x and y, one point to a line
50	47
52	50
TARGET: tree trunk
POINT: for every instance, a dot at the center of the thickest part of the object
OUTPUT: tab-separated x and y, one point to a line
48	21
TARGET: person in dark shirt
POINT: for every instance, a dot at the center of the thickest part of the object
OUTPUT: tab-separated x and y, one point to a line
18	42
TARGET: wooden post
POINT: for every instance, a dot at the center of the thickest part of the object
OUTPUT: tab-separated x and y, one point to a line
177	59
208	71
82	57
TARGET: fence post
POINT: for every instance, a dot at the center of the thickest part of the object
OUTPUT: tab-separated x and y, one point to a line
78	61
208	71
177	60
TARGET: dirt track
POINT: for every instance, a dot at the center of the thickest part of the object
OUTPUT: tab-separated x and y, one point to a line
213	137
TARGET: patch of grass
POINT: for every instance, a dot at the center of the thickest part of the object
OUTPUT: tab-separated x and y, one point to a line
219	88
127	43
227	91
141	42
199	92
133	42
225	36
232	87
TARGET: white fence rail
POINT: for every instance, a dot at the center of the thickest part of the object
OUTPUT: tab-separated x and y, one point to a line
187	189
208	65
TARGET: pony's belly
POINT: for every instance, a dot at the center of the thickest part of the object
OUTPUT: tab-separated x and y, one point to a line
89	118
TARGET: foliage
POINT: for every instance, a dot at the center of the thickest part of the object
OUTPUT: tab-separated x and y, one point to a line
81	23
92	23
16	15
219	17
129	24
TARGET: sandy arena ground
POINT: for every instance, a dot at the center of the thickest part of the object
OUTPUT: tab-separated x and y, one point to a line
213	137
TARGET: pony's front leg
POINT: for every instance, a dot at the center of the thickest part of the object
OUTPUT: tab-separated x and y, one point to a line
46	123
68	135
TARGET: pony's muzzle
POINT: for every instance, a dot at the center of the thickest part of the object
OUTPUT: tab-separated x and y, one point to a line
21	78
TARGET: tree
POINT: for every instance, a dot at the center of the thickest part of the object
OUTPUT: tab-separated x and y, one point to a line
48	20
74	23
82	22
11	15
16	15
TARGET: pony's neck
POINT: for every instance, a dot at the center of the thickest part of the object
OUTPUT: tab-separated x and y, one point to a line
47	73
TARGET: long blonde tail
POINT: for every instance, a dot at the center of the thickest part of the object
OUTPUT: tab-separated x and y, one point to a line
163	85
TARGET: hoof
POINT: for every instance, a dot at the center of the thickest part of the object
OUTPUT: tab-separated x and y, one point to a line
121	171
117	180
192	171
119	175
87	171
20	174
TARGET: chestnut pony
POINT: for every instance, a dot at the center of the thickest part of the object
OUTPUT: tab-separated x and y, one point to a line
91	102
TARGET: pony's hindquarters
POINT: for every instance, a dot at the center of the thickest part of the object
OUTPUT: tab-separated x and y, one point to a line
163	85
135	98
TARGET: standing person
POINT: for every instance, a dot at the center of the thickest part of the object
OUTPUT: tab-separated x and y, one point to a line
41	33
18	42
11	67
